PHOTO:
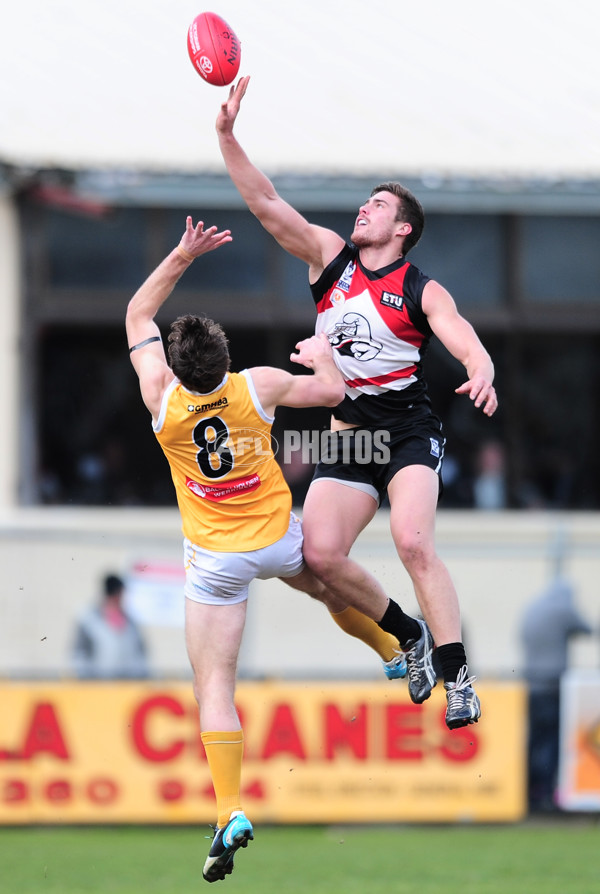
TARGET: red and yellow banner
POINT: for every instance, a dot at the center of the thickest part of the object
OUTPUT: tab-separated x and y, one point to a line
314	753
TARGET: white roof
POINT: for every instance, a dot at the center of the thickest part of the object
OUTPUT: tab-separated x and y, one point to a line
434	88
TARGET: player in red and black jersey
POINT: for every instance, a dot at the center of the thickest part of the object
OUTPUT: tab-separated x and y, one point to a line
379	312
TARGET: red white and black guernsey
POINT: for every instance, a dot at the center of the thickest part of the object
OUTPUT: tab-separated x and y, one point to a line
375	323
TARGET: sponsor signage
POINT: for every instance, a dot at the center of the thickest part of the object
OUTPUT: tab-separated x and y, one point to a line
314	753
579	773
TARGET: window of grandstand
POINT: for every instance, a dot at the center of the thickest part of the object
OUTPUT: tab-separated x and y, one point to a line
106	251
561	261
464	252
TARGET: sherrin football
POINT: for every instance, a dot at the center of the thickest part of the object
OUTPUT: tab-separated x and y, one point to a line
214	49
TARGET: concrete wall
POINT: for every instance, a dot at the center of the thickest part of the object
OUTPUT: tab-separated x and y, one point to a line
53	560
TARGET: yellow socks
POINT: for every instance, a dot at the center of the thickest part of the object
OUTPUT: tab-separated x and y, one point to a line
224	751
362	627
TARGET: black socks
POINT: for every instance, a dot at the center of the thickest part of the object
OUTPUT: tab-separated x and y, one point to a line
399	624
451	658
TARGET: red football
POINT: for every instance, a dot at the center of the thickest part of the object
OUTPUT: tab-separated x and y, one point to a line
214	49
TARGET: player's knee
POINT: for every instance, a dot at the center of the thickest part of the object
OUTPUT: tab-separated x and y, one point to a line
321	561
415	554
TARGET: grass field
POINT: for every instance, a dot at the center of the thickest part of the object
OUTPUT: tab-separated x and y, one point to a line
559	857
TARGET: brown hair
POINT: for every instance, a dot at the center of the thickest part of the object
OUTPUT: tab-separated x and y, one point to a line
198	352
410	210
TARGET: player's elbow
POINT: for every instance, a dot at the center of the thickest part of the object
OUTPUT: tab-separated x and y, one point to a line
132	314
265	204
334	395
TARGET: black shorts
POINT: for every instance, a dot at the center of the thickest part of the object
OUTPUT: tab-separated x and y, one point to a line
368	458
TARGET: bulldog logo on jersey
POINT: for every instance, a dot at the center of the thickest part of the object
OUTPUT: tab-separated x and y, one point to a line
352	337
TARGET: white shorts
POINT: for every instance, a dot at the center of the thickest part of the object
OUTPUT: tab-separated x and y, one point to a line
216	578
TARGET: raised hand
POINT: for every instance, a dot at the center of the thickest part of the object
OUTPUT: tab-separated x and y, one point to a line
230	108
197	241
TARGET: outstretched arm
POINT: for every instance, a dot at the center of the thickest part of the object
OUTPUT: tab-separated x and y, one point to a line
324	388
143	335
316	246
458	336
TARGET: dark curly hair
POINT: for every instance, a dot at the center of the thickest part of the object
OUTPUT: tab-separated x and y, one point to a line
198	352
410	211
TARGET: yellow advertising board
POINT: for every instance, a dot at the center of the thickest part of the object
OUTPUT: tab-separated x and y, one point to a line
314	753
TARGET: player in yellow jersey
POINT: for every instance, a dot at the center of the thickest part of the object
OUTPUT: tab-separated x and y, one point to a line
214	427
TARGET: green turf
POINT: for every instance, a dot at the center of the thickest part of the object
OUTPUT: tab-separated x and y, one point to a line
545	858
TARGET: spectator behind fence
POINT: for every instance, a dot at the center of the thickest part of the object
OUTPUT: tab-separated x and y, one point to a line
489	486
548	624
108	644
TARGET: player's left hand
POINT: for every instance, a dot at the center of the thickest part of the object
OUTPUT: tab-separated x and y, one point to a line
482	393
198	241
230	108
